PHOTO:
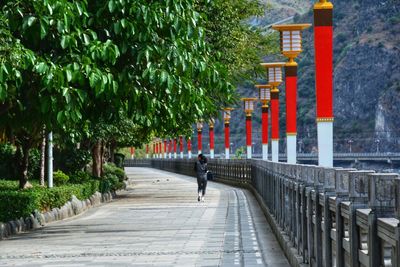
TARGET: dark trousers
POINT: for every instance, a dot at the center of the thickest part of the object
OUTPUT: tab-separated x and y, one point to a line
201	185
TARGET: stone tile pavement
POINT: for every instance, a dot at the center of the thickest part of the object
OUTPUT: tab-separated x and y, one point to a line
157	222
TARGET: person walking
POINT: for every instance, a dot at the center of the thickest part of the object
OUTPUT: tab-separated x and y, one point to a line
201	173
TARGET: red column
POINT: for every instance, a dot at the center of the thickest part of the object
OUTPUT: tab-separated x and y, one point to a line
227	141
147	150
248	130
189	146
156	149
264	119
181	145
170	146
160	149
132	152
174	147
291	98
275	124
323	41
212	141
275	115
248	135
199	141
165	148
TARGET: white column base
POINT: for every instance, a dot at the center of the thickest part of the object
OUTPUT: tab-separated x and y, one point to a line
181	155
291	149
175	155
227	153
325	144
212	153
165	155
189	154
198	153
249	152
265	151
147	156
131	156
169	155
275	150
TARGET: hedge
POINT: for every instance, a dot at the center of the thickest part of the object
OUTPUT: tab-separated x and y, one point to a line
15	204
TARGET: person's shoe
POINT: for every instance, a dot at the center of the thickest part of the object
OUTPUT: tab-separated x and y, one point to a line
202	198
198	198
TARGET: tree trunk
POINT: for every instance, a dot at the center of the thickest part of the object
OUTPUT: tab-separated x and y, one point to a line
22	160
43	157
97	159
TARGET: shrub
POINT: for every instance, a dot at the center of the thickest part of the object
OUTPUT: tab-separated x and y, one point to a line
60	178
21	203
34	164
17	204
80	177
112	169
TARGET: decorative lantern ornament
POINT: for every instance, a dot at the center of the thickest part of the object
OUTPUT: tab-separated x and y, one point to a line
291	47
199	137
227	117
264	95
211	126
274	73
323	43
248	108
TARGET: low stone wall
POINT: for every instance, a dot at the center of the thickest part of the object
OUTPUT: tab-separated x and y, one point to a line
38	219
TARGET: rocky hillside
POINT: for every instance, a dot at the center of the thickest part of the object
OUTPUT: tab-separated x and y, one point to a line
366	77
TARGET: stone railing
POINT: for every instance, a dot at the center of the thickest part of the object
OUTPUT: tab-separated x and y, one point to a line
321	216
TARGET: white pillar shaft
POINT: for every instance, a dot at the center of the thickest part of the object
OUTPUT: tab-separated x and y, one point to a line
147	156
199	152
189	154
227	153
325	144
265	151
50	159
275	150
249	152
175	155
181	155
291	151
170	155
212	153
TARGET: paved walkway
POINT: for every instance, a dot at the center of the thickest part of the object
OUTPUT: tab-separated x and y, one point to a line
157	222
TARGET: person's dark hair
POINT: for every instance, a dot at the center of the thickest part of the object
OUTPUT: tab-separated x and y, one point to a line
202	158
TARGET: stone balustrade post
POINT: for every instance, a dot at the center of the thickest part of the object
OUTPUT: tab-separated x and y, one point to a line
381	201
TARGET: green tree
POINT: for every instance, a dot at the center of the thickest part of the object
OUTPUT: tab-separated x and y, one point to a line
233	41
85	62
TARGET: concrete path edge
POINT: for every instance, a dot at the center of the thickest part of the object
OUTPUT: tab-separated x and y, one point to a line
291	254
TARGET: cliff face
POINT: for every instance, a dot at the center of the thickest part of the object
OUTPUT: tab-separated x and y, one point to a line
366	78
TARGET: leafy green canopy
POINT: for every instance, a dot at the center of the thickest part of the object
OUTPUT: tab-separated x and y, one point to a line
85	60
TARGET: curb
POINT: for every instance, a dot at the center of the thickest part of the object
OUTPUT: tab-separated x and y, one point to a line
37	219
291	254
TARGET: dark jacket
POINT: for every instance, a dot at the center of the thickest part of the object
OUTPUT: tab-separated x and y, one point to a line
201	169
